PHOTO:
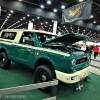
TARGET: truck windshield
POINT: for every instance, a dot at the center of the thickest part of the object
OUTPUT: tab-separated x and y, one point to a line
45	37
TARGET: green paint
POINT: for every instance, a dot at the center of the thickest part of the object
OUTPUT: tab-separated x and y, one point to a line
21	52
60	60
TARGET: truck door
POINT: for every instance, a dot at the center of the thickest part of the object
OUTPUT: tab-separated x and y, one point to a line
26	52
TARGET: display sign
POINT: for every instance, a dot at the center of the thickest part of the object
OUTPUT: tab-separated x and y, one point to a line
81	11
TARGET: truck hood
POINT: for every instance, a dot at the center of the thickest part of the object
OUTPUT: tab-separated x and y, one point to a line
69	38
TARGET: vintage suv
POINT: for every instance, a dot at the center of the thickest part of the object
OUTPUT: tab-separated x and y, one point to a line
49	55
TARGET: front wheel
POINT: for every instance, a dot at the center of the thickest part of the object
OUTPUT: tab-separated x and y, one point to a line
4	61
43	73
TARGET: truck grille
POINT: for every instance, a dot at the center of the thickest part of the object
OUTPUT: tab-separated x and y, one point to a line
82	60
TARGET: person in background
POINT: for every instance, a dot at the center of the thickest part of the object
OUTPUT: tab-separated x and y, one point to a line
95	50
87	48
83	47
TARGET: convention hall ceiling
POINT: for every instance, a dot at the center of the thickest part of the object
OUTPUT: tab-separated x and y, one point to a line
11	19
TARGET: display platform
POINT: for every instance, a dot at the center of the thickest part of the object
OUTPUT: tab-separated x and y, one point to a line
19	75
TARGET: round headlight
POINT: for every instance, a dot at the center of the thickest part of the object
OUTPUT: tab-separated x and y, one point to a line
73	62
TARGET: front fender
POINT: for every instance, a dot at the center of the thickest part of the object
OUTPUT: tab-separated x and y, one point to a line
46	58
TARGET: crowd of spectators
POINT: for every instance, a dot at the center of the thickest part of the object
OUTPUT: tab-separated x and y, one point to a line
94	49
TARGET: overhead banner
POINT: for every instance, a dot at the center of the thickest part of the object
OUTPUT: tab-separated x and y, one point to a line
80	11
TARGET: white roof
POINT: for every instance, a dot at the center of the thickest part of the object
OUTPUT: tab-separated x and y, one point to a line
39	31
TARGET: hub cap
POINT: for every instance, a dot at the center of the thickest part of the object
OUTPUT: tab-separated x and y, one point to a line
3	60
44	78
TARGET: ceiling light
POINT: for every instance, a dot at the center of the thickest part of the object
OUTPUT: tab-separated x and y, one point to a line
94	22
32	19
11	11
91	16
41	23
19	0
55	10
63	7
42	6
28	15
80	0
46	22
9	14
48	2
20	19
23	17
38	17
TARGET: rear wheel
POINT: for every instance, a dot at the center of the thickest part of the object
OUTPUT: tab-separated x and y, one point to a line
4	61
43	73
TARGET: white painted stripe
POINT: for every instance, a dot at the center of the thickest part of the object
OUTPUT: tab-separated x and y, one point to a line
43	49
37	48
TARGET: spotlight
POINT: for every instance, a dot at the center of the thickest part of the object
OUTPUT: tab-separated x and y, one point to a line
41	23
11	11
91	16
9	14
48	2
19	0
32	19
63	7
42	6
38	17
23	17
28	15
55	10
94	22
80	0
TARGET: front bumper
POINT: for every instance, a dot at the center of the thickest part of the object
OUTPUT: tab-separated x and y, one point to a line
74	77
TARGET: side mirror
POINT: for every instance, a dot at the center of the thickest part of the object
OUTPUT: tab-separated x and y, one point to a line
29	42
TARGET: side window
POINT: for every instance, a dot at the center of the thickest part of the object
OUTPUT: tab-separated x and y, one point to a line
27	36
8	35
41	37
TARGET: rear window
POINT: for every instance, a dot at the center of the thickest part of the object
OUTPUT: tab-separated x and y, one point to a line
8	35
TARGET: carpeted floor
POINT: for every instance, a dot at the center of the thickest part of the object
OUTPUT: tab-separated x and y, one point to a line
19	75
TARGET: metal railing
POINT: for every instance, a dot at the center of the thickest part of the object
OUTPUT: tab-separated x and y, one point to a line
53	84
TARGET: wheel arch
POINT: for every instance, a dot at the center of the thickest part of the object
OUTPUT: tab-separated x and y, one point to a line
3	50
45	61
